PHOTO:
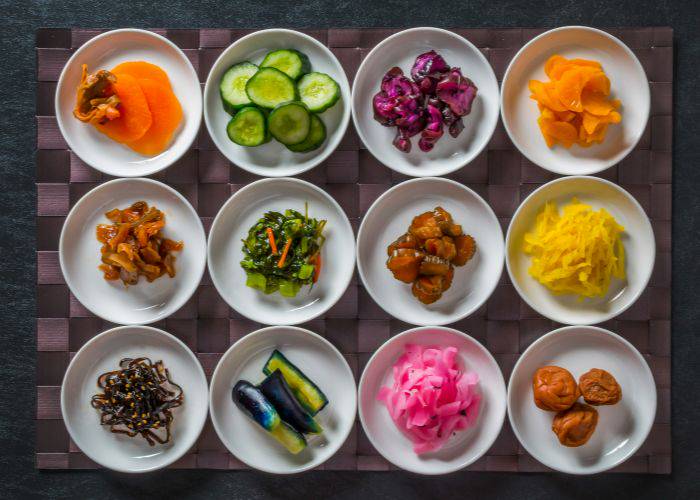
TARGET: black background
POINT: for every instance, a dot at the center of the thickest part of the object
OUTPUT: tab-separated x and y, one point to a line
17	259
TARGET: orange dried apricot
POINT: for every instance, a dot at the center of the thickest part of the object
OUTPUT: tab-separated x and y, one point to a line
143	69
574	104
135	116
167	115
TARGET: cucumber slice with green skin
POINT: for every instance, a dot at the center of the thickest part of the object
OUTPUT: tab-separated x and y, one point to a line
289	61
248	127
289	123
277	392
316	137
307	393
270	87
253	403
232	86
318	91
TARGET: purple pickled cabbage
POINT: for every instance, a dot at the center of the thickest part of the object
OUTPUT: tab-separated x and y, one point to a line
384	109
402	142
452	121
457	91
427	70
456	127
433	130
398	97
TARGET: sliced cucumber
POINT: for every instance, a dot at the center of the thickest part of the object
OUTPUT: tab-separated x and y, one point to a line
316	137
318	91
289	61
269	87
251	400
248	127
307	393
232	86
289	123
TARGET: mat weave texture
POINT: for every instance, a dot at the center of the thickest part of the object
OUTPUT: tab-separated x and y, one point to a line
356	325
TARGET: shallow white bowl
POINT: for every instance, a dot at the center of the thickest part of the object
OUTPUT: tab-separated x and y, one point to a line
389	217
320	361
638	240
79	253
274	159
622	428
104	52
225	251
449	154
466	446
102	354
628	83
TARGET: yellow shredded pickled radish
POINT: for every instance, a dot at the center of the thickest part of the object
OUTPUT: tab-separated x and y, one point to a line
577	252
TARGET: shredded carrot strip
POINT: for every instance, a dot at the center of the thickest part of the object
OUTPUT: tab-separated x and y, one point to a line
284	253
316	261
271	237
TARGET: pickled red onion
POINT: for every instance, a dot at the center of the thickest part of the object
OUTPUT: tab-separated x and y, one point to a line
431	397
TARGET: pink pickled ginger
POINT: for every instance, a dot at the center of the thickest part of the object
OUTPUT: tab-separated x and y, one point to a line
431	397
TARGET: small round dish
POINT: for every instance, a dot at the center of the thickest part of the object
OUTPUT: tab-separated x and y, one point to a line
104	52
628	83
622	428
638	240
274	159
319	361
389	217
225	251
450	153
79	253
102	354
463	448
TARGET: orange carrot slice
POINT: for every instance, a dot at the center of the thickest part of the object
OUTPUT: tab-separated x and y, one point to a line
167	115
596	103
135	116
143	69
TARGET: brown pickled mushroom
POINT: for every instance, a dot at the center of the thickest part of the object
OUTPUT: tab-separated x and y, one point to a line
428	252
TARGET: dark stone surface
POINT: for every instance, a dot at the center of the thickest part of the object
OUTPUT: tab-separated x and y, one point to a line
17	210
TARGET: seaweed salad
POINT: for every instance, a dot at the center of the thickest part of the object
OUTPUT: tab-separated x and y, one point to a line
282	252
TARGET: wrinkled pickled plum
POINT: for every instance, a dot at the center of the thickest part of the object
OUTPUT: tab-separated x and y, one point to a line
433	130
457	91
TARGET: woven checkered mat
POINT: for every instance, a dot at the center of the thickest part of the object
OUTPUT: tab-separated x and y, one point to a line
356	325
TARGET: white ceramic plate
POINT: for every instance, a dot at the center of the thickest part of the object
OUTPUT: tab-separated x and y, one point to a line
225	251
622	428
449	154
466	446
320	361
102	354
389	217
638	240
274	159
628	83
104	52
79	253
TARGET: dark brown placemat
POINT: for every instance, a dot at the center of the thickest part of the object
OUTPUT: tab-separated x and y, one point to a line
356	325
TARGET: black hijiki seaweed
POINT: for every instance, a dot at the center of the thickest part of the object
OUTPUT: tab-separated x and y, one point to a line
138	399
